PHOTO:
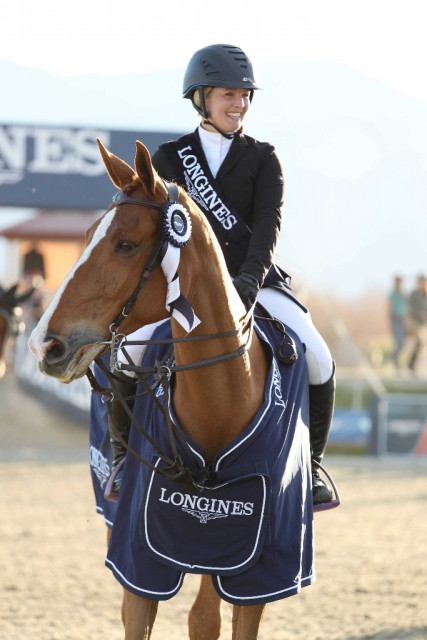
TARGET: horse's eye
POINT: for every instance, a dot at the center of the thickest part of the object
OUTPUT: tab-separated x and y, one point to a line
125	246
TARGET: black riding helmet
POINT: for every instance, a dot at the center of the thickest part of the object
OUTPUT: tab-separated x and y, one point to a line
218	65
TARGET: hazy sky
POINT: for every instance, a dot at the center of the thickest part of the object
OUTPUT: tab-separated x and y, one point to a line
382	38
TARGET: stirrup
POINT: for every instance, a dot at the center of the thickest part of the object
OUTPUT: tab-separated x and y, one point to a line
109	493
335	502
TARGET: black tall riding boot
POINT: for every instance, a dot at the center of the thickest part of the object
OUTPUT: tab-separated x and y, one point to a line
119	424
322	400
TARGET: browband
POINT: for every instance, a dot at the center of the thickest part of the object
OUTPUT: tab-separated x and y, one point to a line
122	198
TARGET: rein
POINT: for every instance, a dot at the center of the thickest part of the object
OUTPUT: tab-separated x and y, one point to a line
190	365
175	466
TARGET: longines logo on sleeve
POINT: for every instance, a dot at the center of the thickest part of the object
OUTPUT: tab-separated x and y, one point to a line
205	508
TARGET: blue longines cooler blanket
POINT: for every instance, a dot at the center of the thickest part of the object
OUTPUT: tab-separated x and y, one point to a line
250	525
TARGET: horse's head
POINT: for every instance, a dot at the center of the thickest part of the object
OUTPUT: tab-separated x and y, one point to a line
9	299
11	323
75	328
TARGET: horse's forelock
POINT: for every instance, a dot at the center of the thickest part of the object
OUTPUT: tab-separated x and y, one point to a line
128	189
138	185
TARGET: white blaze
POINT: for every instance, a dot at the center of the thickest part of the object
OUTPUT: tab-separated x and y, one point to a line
36	340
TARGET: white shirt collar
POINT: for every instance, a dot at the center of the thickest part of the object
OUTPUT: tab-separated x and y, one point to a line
215	148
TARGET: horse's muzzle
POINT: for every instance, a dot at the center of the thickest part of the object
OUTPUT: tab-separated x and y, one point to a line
69	359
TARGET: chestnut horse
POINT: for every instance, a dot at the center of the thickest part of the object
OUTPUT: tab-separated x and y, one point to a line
213	404
11	324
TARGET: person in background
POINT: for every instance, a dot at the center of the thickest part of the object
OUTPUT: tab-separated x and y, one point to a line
237	181
398	306
35	306
417	314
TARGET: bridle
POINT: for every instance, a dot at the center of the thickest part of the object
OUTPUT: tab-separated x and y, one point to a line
121	198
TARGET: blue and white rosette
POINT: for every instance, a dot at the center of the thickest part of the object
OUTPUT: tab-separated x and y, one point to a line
176	224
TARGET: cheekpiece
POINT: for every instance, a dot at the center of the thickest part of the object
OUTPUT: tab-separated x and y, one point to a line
176	224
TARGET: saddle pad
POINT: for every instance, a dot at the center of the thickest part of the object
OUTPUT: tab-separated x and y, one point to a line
218	529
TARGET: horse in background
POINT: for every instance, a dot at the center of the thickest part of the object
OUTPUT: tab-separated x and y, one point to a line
11	319
222	372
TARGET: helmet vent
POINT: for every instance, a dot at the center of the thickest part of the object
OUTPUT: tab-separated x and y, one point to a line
211	70
238	56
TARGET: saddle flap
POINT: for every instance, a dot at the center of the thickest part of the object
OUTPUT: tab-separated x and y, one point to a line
218	529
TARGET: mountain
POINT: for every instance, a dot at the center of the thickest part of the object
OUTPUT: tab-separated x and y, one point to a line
354	153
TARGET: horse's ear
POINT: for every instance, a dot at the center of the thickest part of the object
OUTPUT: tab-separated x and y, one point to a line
121	174
24	296
144	167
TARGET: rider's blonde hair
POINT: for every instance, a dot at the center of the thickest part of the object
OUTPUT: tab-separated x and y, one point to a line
196	96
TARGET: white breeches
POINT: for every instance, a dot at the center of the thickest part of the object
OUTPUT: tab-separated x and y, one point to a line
319	360
280	306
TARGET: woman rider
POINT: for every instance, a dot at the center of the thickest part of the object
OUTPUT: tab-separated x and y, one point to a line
238	183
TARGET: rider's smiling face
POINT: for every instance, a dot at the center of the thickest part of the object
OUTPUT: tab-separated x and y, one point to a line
227	107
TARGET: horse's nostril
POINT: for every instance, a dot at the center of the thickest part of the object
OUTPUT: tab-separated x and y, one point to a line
53	350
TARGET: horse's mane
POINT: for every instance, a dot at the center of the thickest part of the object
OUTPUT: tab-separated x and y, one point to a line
203	234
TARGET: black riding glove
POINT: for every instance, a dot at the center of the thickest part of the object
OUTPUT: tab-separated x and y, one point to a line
247	287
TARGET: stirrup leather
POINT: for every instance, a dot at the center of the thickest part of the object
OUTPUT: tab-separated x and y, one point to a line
109	493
